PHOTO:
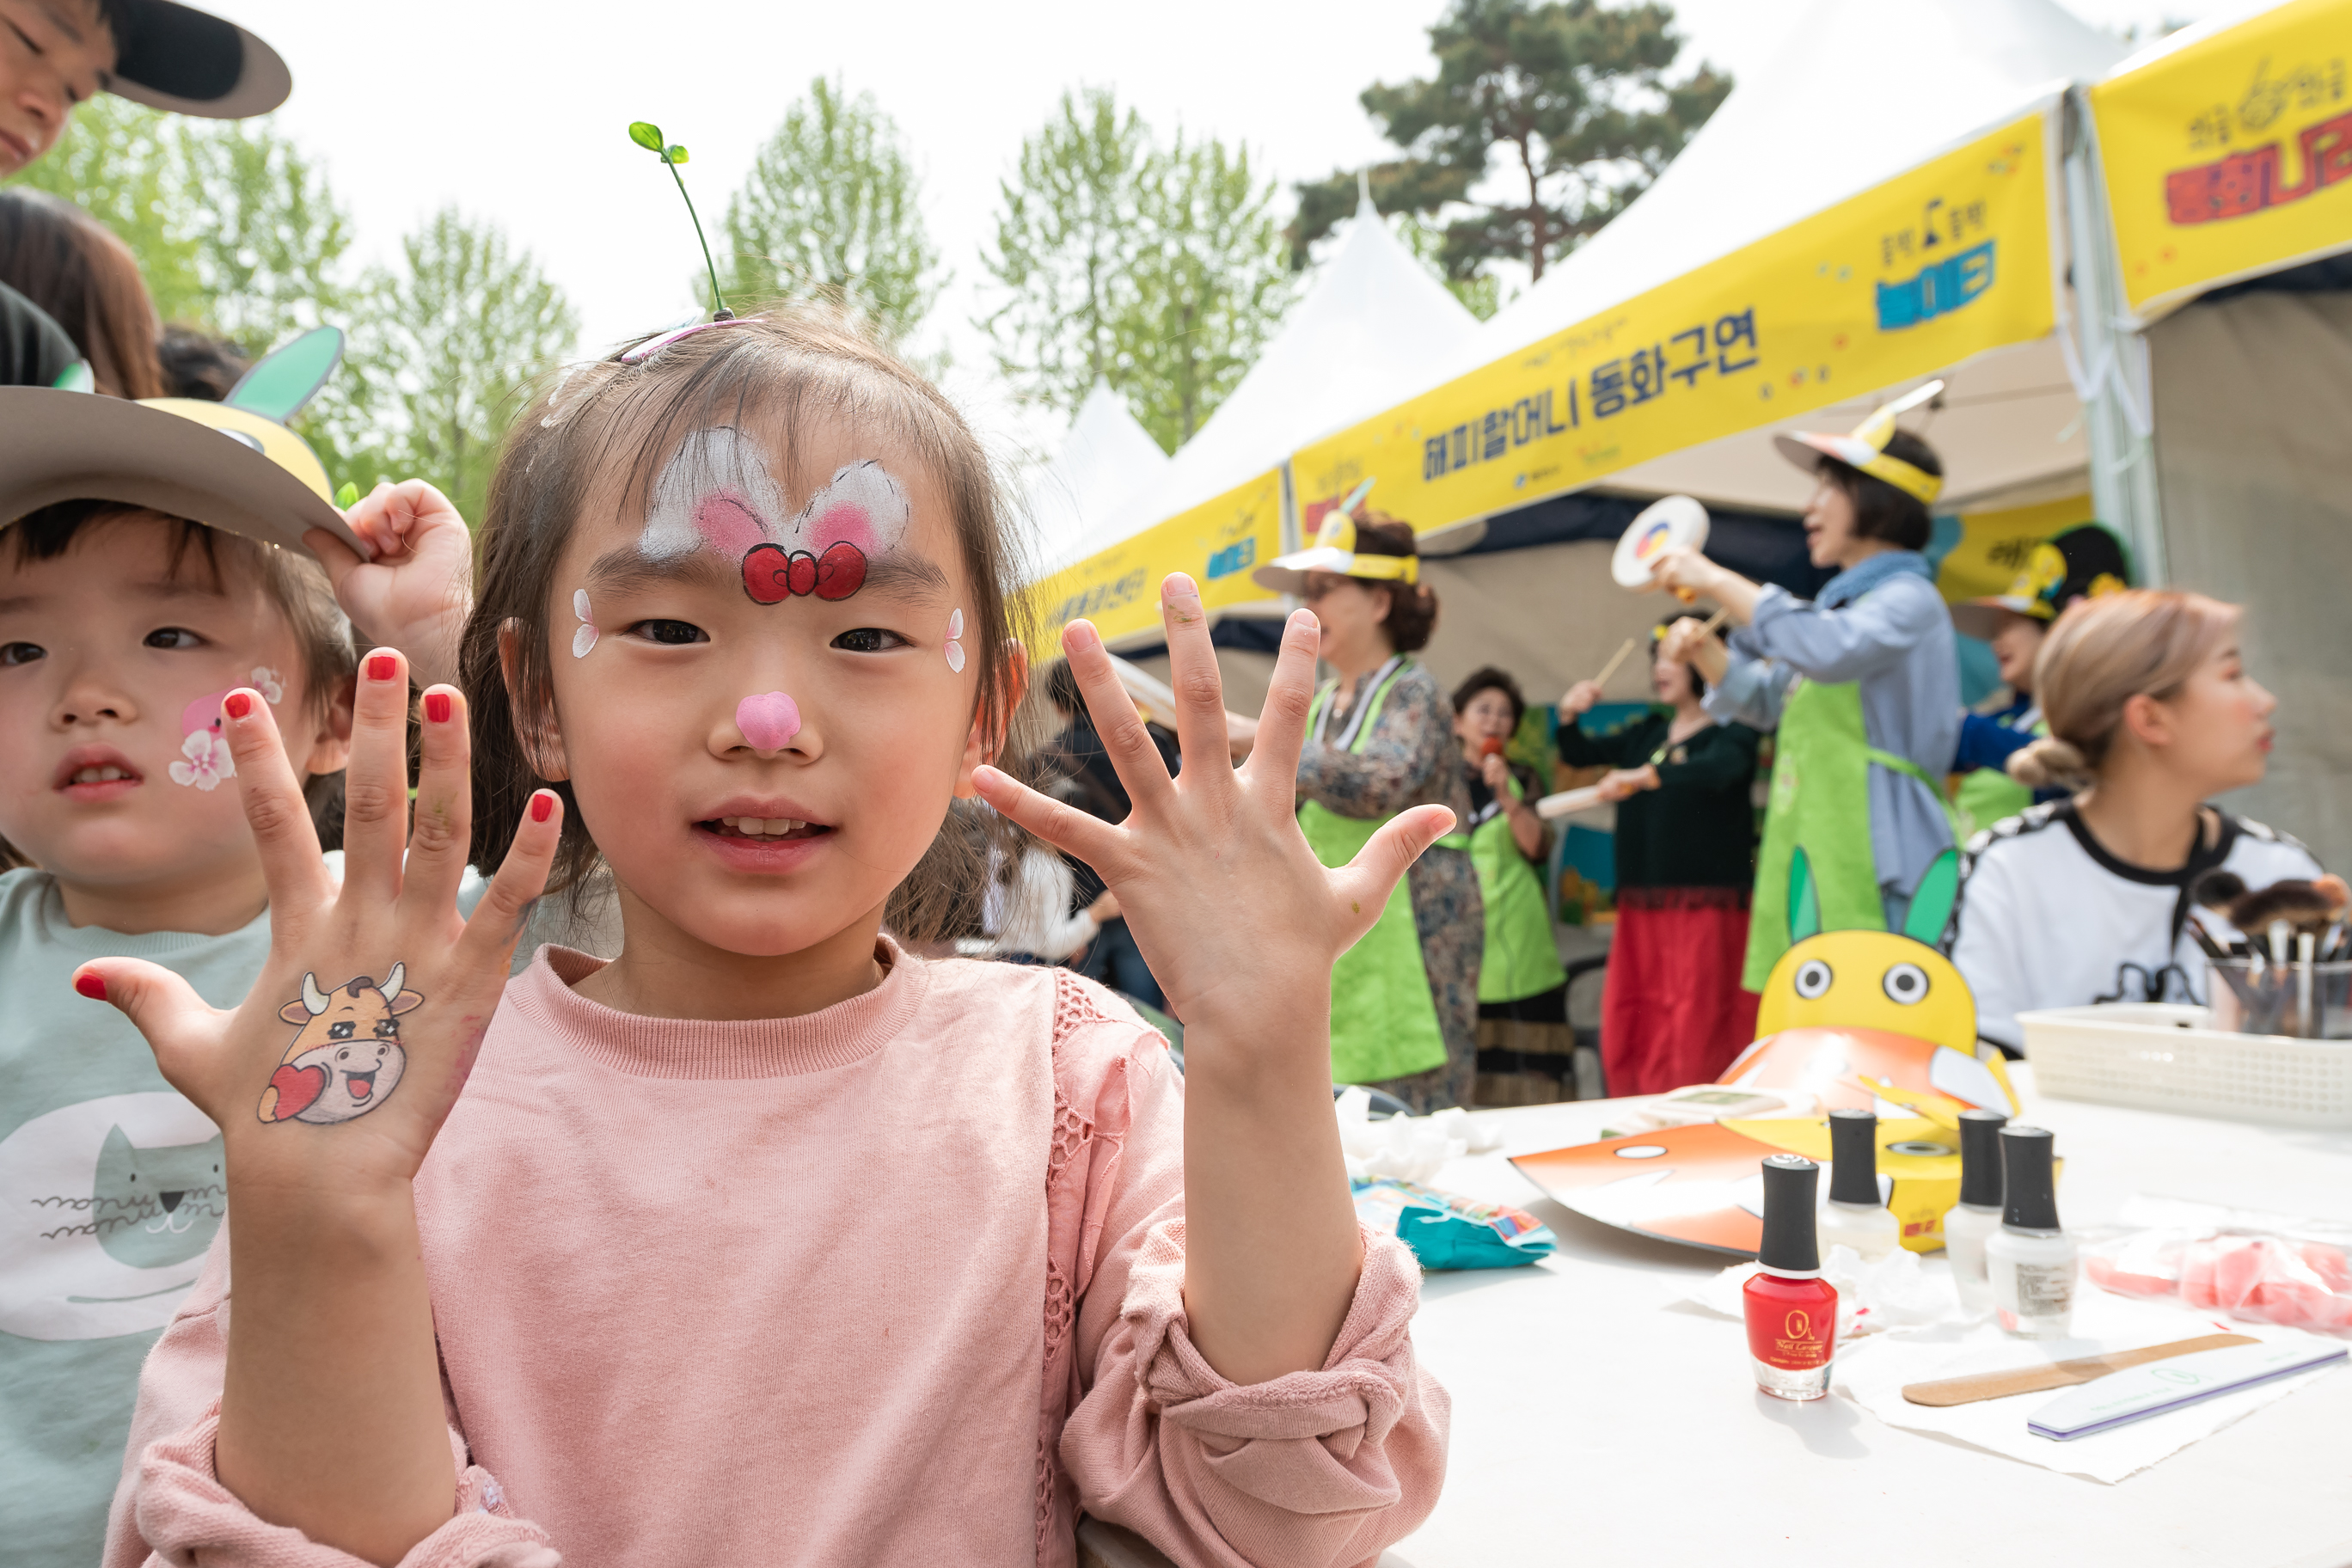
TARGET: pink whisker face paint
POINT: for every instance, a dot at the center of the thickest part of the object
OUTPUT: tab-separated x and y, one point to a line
768	720
715	492
585	638
955	642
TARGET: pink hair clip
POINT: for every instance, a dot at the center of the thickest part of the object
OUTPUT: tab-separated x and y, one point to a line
654	345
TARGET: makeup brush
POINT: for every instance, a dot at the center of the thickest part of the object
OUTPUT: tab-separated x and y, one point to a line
2220	956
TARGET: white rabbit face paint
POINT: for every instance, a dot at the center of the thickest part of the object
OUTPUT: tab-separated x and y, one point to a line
714	491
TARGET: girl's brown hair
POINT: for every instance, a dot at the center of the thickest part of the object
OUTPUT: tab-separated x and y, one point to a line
2102	653
72	266
1412	606
794	365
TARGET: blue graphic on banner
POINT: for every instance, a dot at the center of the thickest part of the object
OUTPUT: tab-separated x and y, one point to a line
1936	290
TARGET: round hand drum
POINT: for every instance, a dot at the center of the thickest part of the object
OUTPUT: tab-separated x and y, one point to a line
1663	525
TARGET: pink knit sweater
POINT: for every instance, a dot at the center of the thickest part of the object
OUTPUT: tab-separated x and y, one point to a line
900	1281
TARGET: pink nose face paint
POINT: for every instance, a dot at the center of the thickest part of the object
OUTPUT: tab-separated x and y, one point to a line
769	721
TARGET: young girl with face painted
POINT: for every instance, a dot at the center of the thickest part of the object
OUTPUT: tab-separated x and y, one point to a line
768	1241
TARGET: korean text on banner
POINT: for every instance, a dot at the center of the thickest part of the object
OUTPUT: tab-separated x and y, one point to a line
1218	542
1911	277
2231	156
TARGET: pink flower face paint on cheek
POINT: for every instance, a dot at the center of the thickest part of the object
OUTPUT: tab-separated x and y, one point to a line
204	759
768	720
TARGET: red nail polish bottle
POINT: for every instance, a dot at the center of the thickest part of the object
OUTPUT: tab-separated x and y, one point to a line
1791	1310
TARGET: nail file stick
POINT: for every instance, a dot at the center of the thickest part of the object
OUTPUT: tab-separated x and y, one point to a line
2059	1374
2145	1391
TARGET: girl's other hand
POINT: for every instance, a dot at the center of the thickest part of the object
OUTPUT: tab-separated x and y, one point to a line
1236	917
418	590
328	1083
1580	699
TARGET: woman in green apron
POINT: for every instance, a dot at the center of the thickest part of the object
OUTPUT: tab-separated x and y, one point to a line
1404	1000
1526	1049
2081	564
1860	686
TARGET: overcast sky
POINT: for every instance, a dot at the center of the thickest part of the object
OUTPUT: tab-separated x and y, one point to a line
517	111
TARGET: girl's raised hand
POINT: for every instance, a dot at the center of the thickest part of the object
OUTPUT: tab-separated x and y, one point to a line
1240	923
350	1049
1232	909
418	588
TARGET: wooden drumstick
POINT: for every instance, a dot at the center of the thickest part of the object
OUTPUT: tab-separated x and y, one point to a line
1610	667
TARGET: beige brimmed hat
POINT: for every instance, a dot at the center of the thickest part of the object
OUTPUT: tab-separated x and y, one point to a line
1334	550
1865	448
231	465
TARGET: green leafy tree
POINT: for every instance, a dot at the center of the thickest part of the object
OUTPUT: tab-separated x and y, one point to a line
453	339
120	162
1567	105
1156	270
1068	238
830	211
1210	285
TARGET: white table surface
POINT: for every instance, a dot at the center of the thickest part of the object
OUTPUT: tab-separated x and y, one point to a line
1598	1421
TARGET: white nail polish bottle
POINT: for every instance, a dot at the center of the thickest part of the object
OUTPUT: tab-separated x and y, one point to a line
1854	1216
1971	1222
2030	1259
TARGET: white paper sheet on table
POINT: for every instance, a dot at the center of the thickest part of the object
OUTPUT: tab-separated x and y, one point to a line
1875	1372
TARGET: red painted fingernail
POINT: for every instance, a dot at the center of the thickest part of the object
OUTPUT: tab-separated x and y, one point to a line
91	987
237	704
436	706
541	804
381	667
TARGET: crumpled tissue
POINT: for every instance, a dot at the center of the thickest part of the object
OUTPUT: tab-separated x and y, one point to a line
1892	1292
1409	1147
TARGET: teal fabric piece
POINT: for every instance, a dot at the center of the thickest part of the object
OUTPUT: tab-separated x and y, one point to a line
1449	1232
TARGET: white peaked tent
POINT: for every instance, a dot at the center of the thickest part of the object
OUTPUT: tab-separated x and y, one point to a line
1863	90
1372	319
1104	461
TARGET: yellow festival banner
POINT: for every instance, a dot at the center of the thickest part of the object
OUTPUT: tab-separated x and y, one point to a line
1911	277
2231	156
1219	542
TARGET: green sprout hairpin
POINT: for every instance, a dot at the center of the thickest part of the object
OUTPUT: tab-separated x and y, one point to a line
648	135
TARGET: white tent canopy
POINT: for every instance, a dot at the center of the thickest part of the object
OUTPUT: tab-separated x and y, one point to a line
1106	460
1863	90
1373	319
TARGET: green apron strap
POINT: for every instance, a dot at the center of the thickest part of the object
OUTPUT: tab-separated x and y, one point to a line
1906	766
1521	957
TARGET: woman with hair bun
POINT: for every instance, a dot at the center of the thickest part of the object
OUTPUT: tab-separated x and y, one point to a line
2086	899
1404	1000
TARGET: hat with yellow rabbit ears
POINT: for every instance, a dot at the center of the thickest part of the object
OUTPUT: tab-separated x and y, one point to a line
1866	449
1335	551
2082	562
232	464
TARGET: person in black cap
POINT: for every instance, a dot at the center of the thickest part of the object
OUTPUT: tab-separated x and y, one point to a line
34	350
56	53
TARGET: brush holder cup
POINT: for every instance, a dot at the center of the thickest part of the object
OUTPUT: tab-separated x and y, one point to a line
2299	1001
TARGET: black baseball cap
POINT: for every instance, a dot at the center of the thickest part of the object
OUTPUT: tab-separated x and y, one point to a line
173	56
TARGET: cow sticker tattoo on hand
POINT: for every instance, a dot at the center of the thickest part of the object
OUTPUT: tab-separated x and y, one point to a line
586	637
346	1058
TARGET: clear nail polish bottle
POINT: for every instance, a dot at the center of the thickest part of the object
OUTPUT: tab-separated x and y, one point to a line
2031	1261
1971	1223
1854	1217
1792	1310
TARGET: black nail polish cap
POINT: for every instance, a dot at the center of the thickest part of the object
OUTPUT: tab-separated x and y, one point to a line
1853	1157
1981	1183
2031	1200
1791	1243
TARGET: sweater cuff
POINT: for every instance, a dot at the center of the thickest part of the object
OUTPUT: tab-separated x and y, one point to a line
1356	1398
186	1516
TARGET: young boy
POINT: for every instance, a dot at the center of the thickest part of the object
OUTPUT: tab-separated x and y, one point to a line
122	626
56	53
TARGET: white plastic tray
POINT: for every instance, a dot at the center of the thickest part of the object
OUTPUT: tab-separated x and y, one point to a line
2161	1057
